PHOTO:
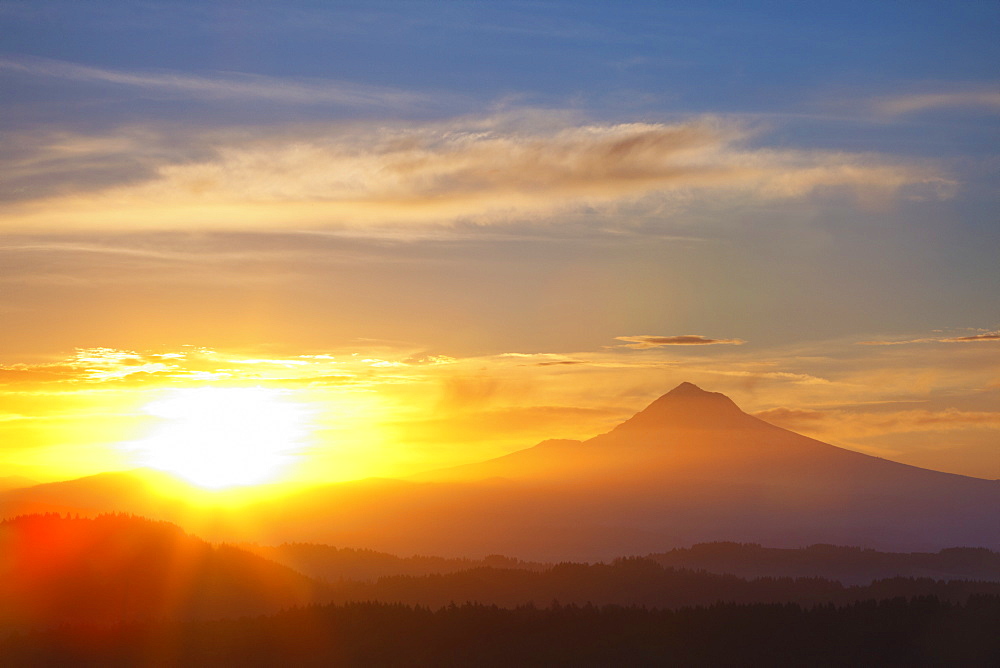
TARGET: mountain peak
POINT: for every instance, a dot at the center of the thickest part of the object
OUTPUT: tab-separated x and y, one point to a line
687	389
688	406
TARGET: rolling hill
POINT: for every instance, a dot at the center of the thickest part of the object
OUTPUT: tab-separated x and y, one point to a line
115	568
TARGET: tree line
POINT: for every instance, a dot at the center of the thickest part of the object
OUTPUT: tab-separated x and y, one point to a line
923	631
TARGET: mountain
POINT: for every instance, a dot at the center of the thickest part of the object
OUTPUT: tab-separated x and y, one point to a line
690	468
690	436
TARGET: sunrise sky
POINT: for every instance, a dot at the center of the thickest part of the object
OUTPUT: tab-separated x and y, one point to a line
417	234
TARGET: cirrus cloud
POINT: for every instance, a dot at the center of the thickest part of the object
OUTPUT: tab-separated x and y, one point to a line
970	99
222	85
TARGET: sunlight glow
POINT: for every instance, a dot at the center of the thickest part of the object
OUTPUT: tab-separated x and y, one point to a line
218	437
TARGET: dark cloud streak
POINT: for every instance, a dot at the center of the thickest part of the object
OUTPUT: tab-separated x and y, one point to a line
646	341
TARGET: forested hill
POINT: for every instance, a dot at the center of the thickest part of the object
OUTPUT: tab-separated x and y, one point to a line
896	632
638	581
122	590
849	565
119	567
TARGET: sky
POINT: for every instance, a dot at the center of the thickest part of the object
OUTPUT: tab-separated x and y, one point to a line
435	232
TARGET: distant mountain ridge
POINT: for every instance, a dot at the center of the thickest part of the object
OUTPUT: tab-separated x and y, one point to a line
849	565
120	568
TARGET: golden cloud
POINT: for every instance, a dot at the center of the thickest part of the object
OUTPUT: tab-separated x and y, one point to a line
480	170
992	336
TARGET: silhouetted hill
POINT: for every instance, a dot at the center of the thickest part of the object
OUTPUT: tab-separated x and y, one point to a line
636	581
116	567
129	492
332	563
850	565
847	565
122	590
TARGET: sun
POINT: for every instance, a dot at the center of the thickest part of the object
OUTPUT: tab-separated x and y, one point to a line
219	437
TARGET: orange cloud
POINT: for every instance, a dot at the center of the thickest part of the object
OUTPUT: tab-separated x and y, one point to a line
992	336
857	424
645	341
974	338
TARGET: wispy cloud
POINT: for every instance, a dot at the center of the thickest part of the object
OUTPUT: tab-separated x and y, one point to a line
88	367
972	338
863	424
907	104
645	341
523	166
992	336
224	85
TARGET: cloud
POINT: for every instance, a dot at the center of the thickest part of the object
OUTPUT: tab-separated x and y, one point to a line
896	343
224	86
857	424
974	338
792	416
643	342
91	365
907	104
526	166
992	336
